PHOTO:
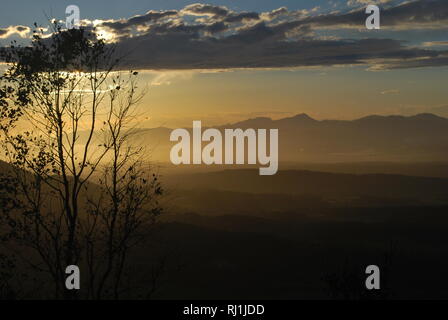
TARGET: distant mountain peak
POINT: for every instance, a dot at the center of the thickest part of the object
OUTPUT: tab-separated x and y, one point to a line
300	117
303	116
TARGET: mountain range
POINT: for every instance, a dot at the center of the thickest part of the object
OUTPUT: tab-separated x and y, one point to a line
423	137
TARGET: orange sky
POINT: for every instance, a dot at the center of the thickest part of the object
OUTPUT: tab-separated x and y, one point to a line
176	98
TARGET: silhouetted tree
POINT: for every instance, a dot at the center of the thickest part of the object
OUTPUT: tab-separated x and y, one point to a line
77	191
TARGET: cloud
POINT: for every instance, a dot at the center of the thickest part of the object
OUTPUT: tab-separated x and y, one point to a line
22	31
167	77
204	36
126	26
440	60
200	9
435	43
286	44
239	17
409	14
414	14
274	13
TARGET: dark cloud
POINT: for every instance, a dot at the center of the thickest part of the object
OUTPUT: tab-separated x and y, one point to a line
239	17
194	31
206	9
287	42
414	13
219	38
261	47
140	20
417	12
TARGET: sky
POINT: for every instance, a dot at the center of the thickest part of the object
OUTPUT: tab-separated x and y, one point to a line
225	61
